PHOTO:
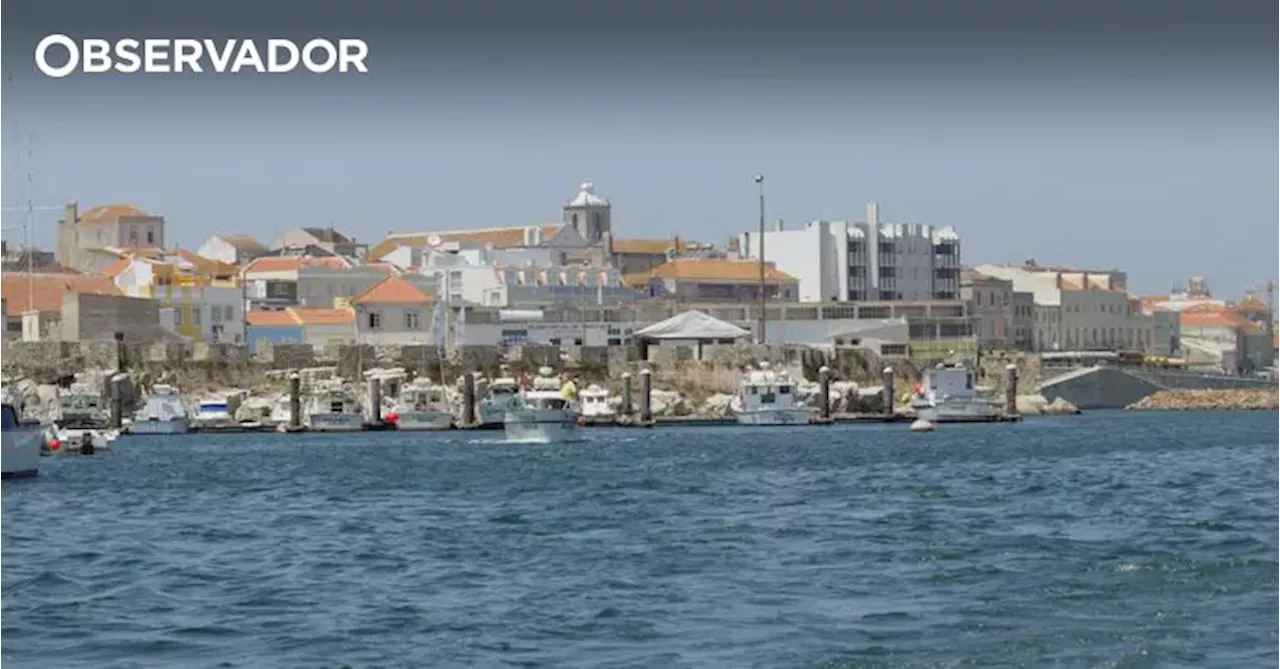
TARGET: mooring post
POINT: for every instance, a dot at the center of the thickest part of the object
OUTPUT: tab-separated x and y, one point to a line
886	389
626	395
824	402
646	395
1011	390
375	400
469	400
295	400
117	401
122	357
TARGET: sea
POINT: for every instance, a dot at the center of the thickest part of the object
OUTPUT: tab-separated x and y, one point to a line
1110	539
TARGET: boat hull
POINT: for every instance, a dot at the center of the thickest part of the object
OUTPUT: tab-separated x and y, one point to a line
336	422
956	412
540	425
793	416
20	457
424	420
172	426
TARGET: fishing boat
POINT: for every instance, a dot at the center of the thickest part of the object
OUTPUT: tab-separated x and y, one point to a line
503	392
21	440
82	419
332	407
947	395
213	413
423	405
541	413
768	397
162	413
593	403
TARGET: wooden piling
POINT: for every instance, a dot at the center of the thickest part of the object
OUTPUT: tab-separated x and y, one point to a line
646	396
375	401
626	408
295	400
886	390
469	400
824	401
1011	391
117	401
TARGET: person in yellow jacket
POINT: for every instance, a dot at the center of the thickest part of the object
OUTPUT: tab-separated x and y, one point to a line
569	391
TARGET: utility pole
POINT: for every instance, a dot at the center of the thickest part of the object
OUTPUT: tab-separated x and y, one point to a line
760	336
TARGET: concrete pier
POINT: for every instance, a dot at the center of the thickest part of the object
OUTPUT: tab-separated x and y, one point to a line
295	401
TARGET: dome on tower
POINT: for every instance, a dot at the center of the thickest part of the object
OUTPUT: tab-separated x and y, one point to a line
587	197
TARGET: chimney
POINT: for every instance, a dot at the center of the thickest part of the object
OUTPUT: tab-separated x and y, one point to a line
1084	281
873	214
779	227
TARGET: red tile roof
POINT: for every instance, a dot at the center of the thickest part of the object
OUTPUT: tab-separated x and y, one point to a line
393	290
46	291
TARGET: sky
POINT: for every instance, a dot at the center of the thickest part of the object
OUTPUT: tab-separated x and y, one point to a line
1093	134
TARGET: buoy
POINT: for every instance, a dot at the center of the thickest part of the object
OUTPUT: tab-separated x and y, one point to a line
392	417
921	425
54	444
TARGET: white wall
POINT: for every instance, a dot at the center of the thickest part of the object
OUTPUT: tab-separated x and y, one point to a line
217	248
222	311
393	326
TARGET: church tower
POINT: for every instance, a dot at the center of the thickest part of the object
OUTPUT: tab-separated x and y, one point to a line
590	215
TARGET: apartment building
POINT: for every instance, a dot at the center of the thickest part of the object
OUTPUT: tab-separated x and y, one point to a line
855	261
1081	310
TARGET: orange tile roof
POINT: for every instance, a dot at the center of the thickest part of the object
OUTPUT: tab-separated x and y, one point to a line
110	213
204	265
718	269
1211	318
648	247
118	267
291	263
46	290
508	237
268	318
393	290
319	316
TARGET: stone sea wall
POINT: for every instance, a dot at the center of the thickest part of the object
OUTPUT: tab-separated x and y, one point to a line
1265	399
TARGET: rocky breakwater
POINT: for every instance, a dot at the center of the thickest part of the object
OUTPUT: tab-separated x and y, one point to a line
1262	399
1037	405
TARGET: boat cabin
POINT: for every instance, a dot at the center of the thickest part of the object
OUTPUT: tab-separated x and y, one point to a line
767	388
421	397
948	382
546	402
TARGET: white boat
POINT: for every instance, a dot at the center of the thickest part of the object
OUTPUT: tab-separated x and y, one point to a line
162	413
593	403
82	418
213	413
332	407
423	405
503	393
947	395
20	442
540	413
768	397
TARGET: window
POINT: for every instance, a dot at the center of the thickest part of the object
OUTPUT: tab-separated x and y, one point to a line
177	316
375	321
195	316
412	320
228	313
151	237
133	236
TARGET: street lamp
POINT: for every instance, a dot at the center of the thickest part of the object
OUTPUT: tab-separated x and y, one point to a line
759	179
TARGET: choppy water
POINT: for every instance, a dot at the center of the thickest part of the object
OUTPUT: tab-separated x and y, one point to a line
1107	540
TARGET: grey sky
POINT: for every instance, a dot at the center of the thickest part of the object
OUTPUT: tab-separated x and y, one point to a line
1096	157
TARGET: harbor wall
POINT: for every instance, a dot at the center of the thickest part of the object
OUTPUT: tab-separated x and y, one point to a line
1108	387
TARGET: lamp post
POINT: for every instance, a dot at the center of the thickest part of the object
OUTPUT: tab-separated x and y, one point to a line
759	179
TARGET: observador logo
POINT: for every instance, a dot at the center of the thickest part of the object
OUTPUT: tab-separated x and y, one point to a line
59	56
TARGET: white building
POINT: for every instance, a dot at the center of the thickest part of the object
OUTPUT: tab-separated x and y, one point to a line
845	261
231	249
1080	310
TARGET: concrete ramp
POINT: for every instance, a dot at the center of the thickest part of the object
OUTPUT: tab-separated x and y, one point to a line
1118	387
1098	388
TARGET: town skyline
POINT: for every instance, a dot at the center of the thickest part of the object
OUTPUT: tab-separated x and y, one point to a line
1039	135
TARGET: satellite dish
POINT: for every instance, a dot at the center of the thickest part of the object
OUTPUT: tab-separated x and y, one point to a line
434	241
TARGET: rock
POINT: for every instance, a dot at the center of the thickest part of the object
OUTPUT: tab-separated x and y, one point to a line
719	405
668	403
1032	405
1061	407
1260	399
